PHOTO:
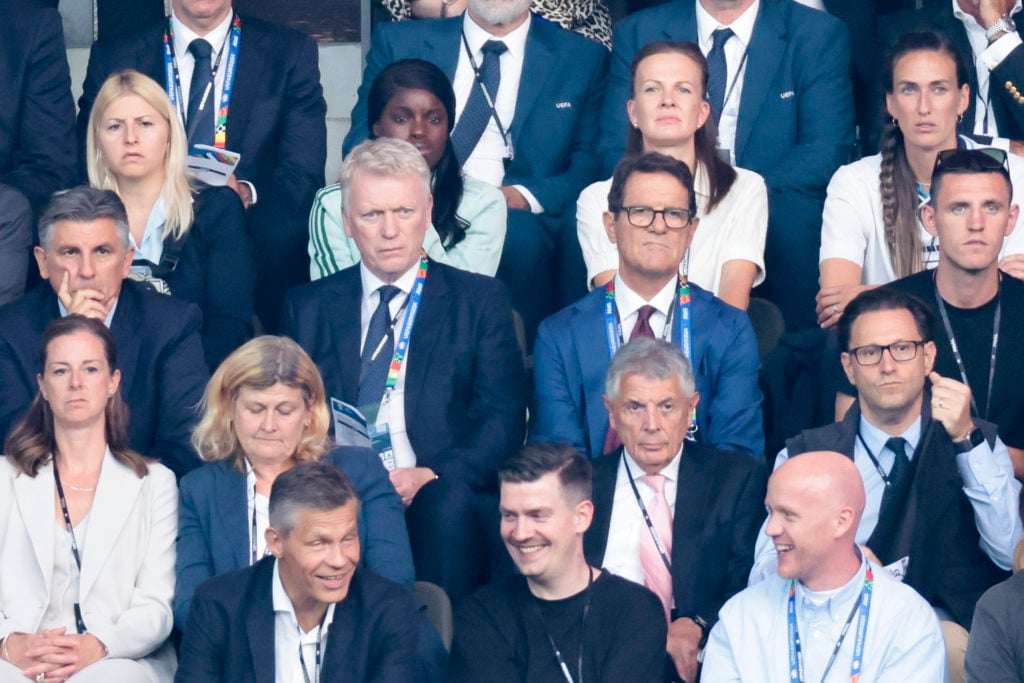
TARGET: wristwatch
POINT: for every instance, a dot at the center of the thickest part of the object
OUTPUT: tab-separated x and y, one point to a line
705	629
1004	24
974	438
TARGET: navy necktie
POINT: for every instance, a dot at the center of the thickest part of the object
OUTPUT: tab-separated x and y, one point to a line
894	497
718	72
200	123
477	113
374	366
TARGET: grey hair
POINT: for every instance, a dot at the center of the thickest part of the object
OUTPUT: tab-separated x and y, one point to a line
651	359
308	486
83	204
383	157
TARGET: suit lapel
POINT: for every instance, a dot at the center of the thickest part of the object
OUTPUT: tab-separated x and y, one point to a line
538	64
259	621
765	52
693	504
116	494
343	306
229	488
126	328
588	339
434	316
684	26
248	81
443	46
595	542
36	500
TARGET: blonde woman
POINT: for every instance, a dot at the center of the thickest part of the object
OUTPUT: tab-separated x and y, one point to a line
191	239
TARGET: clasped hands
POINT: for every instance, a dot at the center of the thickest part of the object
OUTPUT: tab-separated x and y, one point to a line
54	653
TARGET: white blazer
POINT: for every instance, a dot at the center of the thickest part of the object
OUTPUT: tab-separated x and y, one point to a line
128	553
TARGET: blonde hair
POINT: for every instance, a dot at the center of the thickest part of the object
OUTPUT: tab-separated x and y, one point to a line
260	364
177	192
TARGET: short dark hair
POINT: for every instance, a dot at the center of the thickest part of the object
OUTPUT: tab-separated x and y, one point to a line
308	486
652	162
968	162
886	299
538	459
83	204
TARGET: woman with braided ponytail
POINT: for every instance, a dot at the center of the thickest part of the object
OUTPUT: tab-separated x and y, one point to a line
871	233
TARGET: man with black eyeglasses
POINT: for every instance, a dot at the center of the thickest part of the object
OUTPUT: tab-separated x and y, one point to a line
941	508
651	219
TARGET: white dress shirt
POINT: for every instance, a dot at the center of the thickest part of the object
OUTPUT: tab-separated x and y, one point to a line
486	162
735	63
628	303
288	636
986	58
65	578
218	40
393	413
622	552
262	506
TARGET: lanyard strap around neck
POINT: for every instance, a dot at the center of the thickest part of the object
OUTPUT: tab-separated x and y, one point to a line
79	621
562	665
510	152
319	645
681	312
647	518
413	308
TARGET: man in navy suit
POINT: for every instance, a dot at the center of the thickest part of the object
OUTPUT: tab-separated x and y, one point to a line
309	612
84	257
537	142
705	505
652	222
428	354
785	103
37	113
276	119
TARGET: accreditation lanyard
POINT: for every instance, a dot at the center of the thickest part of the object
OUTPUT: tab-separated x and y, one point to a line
413	308
647	518
874	461
613	326
478	81
583	624
79	622
172	79
316	662
862	605
956	349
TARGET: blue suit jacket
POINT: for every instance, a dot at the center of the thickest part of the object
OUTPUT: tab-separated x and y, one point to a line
554	129
230	632
465	387
571	359
213	523
37	112
159	353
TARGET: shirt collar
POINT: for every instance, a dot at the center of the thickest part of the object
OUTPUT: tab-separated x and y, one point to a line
371	283
743	27
629	302
669	471
838	600
183	35
968	20
875	438
283	604
515	41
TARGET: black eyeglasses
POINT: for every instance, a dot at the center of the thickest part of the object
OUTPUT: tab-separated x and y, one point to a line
643	216
899	351
980	160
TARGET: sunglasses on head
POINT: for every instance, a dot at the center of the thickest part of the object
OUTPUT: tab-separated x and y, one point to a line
981	159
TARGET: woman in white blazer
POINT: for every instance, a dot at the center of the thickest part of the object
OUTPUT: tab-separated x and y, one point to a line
87	527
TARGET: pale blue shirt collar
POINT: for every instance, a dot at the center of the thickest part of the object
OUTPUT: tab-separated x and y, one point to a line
515	41
183	35
837	601
742	27
875	438
152	247
106	321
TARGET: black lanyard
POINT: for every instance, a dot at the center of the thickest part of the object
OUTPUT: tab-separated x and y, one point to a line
956	350
252	542
874	460
79	622
510	152
647	518
316	663
583	623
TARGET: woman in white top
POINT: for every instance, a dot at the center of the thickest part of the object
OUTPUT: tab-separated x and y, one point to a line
871	233
87	527
670	114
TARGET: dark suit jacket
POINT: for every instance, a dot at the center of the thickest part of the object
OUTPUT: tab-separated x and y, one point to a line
947	566
230	633
571	360
554	129
719	508
938	16
465	389
159	353
213	523
216	272
37	112
277	115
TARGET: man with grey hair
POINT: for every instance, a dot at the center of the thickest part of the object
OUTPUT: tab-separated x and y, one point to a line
84	257
423	358
309	611
676	516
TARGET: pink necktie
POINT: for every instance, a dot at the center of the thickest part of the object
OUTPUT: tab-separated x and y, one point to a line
656	575
641	328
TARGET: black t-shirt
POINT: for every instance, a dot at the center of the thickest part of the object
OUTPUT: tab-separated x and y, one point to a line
501	635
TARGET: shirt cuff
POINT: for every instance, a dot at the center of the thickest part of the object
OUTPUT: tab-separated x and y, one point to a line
993	55
252	190
535	206
980	471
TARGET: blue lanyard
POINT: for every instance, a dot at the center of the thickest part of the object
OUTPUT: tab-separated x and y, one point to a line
415	297
683	319
863	606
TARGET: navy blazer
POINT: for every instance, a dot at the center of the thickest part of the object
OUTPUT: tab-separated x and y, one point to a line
230	632
465	386
159	354
216	271
554	129
213	523
718	512
277	119
37	113
571	360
